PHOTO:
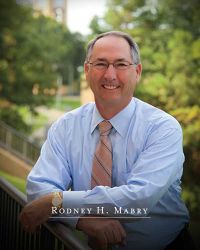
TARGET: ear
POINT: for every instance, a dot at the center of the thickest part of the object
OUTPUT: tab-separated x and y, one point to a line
86	69
138	71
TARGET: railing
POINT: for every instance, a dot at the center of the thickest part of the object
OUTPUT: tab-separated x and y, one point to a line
52	236
18	144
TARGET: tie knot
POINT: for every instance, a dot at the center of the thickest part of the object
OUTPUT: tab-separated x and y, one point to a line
105	128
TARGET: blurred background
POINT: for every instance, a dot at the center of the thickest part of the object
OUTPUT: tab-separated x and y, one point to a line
42	50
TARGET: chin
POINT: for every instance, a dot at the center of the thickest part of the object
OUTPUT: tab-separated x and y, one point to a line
113	101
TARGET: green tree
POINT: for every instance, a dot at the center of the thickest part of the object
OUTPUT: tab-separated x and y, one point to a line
167	32
34	51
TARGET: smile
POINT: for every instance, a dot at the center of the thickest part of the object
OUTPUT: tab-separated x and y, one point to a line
110	87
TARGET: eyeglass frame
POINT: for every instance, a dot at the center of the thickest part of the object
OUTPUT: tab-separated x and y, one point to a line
114	65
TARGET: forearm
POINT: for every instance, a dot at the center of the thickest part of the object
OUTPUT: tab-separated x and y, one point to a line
36	212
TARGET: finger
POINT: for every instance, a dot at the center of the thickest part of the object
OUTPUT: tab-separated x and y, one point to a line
116	236
111	238
122	231
24	222
102	241
29	226
119	233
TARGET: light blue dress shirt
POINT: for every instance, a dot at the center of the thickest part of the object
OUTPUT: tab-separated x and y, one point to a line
147	168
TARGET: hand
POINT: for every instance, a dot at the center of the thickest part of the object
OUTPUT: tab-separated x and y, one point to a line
35	213
102	232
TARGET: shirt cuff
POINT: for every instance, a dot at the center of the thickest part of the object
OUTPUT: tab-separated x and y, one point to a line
73	199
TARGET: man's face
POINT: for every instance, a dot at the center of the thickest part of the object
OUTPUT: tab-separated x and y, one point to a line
112	86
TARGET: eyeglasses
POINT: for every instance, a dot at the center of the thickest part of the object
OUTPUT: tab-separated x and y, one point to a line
118	65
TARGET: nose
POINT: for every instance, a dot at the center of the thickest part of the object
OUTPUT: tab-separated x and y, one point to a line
110	73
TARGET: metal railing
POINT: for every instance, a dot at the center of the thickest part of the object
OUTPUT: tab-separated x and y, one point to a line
17	143
52	236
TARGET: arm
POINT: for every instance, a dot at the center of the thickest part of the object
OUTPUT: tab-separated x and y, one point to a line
50	174
158	166
102	232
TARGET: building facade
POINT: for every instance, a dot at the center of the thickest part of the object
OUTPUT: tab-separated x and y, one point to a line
56	9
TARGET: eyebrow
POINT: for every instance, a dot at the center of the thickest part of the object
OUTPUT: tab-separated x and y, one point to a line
117	60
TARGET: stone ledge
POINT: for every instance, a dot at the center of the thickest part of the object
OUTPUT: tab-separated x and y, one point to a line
11	164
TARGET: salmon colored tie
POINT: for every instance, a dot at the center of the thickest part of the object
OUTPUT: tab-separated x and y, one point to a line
102	162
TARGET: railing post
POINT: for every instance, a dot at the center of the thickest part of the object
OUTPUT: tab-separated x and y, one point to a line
24	150
52	236
17	143
8	139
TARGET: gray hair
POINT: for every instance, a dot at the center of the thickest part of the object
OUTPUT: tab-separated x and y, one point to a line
135	53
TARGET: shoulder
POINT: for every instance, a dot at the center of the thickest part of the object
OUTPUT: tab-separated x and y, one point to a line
154	117
73	118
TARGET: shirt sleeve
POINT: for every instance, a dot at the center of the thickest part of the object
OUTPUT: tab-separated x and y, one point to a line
158	166
51	172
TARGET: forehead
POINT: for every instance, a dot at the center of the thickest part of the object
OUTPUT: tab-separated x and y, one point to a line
111	48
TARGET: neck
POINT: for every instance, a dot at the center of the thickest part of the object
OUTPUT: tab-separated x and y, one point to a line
108	111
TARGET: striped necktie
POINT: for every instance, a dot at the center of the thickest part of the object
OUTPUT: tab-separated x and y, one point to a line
102	162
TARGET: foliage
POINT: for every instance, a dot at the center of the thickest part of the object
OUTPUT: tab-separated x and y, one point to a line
192	199
167	31
34	51
12	116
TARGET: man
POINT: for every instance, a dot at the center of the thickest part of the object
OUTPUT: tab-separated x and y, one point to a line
142	144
